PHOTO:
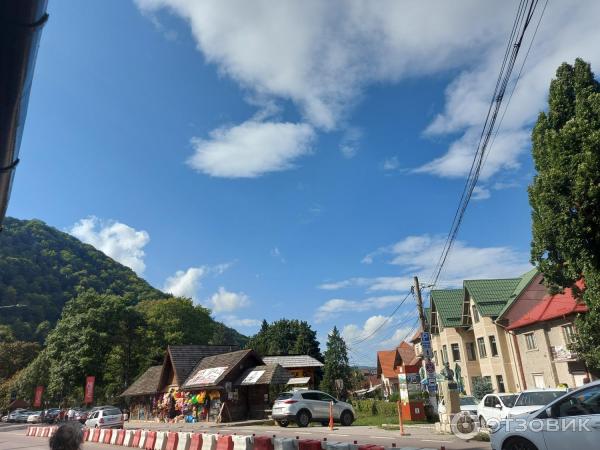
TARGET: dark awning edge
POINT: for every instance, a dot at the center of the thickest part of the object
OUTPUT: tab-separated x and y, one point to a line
20	32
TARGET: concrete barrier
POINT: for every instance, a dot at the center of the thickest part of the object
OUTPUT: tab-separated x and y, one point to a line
102	434
113	438
150	440
128	438
137	436
197	441
143	436
225	442
52	431
309	444
96	435
263	443
39	432
108	435
243	442
121	437
281	443
171	441
209	441
86	434
29	431
161	440
183	441
90	435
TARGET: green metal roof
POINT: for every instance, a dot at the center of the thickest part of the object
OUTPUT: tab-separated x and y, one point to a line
491	296
526	278
448	304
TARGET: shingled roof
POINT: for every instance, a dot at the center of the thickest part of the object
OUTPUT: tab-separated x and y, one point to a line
271	374
408	355
491	296
185	358
146	384
226	361
448	305
292	361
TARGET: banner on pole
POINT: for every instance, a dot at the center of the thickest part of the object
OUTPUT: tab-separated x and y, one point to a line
37	401
89	389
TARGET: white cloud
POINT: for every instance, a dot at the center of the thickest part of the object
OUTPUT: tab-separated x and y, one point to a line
391	163
338	306
372	284
321	56
377	333
185	283
481	193
350	142
251	149
225	301
235	321
117	240
418	255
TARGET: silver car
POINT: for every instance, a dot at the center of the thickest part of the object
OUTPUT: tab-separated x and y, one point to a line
305	406
105	418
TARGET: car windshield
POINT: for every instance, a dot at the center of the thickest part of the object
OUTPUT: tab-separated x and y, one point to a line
285	396
508	400
467	401
538	398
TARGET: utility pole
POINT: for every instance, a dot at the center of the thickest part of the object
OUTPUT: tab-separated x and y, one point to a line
426	345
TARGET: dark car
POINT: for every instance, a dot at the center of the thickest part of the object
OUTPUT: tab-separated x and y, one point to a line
50	415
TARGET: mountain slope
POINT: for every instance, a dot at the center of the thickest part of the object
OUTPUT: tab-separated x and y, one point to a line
42	268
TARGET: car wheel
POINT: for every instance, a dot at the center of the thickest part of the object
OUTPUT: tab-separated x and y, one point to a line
303	418
282	423
346	419
518	443
482	422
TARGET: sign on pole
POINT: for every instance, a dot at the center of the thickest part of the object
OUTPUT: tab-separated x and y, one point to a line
37	401
89	389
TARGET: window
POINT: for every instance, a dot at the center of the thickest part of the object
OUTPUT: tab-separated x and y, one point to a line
538	380
530	341
326	398
500	382
568	333
310	396
491	401
488	379
435	360
455	352
581	403
444	354
475	314
471	351
493	347
481	348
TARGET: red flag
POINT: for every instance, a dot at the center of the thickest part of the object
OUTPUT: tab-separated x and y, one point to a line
39	391
89	389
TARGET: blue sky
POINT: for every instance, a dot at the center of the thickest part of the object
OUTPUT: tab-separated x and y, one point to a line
298	160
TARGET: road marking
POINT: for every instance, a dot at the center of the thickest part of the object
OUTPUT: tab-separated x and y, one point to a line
434	440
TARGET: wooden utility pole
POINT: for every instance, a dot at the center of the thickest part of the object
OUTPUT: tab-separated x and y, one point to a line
426	346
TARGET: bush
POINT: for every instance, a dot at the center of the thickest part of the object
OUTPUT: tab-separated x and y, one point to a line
481	387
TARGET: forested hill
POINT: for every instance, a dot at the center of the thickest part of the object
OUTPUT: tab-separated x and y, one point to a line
42	268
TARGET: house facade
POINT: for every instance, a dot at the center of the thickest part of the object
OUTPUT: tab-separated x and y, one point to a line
542	328
509	331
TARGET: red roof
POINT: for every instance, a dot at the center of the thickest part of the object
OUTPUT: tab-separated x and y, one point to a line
407	353
387	362
552	307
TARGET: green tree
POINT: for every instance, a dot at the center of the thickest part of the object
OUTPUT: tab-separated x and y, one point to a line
481	387
565	196
285	337
15	356
336	365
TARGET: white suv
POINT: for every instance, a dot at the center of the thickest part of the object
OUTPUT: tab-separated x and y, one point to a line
105	418
304	406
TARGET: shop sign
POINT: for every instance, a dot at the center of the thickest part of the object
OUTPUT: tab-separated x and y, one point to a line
253	377
207	376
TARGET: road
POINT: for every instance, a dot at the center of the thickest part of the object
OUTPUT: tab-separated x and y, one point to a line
420	437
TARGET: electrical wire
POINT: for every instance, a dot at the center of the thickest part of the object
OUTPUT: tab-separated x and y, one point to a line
522	20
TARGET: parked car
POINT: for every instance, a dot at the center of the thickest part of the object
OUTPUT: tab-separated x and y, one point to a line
495	406
12	416
22	416
34	417
4	418
81	415
105	418
467	404
570	421
525	402
305	406
51	415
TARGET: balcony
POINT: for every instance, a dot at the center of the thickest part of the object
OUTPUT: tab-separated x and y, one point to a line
561	353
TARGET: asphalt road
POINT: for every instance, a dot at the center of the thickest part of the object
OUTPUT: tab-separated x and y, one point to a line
13	439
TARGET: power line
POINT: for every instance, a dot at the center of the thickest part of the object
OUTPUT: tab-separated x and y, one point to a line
363	339
522	20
